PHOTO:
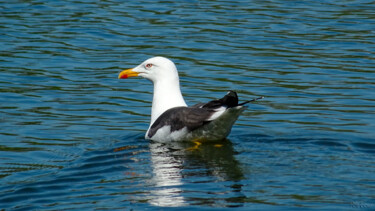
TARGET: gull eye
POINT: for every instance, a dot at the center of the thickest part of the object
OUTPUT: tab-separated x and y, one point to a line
148	66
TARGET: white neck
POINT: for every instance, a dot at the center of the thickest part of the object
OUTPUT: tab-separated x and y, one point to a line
167	94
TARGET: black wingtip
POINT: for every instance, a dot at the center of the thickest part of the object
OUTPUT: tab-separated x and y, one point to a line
230	99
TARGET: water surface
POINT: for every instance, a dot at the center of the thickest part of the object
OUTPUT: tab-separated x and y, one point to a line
72	134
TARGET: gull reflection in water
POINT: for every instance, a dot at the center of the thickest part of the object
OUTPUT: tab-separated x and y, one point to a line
169	160
167	176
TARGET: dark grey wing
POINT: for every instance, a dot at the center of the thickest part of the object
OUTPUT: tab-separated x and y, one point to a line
198	105
180	117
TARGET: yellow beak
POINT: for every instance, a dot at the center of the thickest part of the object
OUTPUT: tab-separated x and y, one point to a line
127	73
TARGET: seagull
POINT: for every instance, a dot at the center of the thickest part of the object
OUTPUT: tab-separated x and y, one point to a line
172	119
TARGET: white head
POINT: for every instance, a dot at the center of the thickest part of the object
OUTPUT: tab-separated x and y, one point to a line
154	69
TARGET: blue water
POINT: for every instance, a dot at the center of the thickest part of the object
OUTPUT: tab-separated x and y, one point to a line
72	134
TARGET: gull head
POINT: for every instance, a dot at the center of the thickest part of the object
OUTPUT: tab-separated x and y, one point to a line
154	69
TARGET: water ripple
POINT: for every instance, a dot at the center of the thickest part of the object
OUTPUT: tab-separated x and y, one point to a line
72	131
